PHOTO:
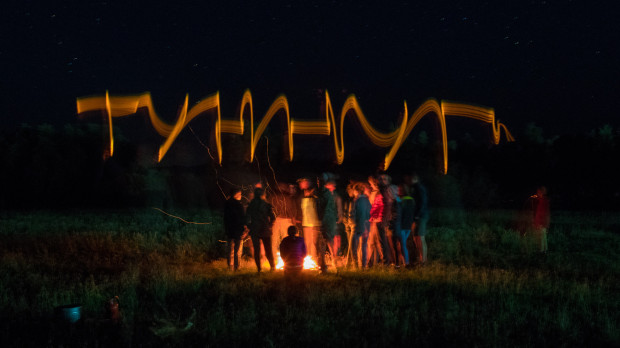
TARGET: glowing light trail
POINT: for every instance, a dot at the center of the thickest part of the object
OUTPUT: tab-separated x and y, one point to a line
119	106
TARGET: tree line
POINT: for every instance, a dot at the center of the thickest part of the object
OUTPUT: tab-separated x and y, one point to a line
47	166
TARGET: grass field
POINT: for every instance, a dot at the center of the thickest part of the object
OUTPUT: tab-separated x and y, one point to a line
485	284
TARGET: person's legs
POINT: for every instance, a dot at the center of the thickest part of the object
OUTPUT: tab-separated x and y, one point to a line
370	246
383	245
424	258
237	242
331	246
269	252
418	248
340	235
398	249
421	225
256	246
543	240
320	245
389	246
404	235
353	246
230	250
364	249
375	253
309	236
351	250
337	242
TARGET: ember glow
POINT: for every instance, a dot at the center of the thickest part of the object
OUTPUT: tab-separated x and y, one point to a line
308	263
280	264
119	106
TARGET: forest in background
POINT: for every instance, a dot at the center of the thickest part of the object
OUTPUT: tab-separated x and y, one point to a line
46	167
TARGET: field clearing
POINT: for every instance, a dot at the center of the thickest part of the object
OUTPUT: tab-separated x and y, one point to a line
485	284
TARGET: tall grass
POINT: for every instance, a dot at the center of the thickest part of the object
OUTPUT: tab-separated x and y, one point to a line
485	284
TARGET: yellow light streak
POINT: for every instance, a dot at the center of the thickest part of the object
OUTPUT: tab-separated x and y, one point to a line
119	106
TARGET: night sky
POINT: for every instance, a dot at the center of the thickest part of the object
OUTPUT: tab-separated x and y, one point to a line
551	62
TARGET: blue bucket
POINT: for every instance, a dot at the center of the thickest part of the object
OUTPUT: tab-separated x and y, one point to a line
70	313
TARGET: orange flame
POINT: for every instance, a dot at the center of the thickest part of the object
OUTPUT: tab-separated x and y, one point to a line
308	262
280	264
118	106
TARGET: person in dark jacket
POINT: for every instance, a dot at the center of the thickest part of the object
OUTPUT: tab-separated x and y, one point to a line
234	226
293	251
260	218
339	227
406	223
360	216
328	214
420	218
391	215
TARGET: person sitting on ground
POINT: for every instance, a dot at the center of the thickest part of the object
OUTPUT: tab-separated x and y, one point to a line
293	251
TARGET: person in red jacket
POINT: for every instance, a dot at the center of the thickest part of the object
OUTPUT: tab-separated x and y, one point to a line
540	221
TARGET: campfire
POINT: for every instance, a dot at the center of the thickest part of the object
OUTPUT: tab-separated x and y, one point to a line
308	263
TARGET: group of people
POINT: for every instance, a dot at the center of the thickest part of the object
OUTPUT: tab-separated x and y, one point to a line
376	218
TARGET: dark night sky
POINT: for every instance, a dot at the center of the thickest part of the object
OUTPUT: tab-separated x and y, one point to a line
551	62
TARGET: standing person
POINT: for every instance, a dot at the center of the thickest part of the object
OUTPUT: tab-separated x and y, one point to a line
293	251
376	218
420	218
406	223
285	209
331	186
349	224
234	217
308	215
260	218
394	226
540	222
329	219
391	218
360	216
